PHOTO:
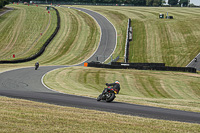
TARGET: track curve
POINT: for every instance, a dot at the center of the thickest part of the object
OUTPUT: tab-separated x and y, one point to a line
108	40
26	83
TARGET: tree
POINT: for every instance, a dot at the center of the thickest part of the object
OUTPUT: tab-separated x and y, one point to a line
138	2
149	2
3	3
172	2
184	2
154	2
157	2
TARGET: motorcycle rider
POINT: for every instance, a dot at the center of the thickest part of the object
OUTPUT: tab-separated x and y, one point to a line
116	86
36	65
195	59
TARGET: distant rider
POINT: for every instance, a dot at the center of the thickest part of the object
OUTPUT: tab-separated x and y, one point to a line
195	59
116	86
36	65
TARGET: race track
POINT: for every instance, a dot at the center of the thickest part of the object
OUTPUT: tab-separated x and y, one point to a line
26	83
108	37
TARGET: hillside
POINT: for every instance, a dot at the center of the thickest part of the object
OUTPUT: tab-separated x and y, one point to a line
24	30
171	41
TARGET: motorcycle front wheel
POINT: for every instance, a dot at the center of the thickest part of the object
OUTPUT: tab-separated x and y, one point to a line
99	97
111	97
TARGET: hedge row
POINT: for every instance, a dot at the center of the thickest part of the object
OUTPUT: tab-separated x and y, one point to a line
43	47
142	66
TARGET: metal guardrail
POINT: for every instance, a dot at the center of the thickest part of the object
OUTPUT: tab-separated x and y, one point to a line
128	39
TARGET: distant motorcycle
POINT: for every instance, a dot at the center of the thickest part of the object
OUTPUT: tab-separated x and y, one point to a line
108	95
195	60
36	65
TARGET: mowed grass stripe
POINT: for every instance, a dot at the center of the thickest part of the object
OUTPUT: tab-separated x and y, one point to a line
65	38
29	48
162	89
13	35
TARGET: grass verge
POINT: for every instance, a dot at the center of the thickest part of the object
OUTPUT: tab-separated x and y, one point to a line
28	116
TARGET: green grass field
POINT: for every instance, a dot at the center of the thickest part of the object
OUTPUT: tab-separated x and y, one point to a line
174	42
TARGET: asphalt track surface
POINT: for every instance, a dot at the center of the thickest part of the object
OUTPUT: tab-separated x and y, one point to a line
195	64
26	83
6	11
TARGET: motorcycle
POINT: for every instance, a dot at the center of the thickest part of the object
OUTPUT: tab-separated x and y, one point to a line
195	60
108	95
36	66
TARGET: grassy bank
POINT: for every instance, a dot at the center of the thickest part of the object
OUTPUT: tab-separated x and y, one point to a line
27	116
21	30
173	90
174	42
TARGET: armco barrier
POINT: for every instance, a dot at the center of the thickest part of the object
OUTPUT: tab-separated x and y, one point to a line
43	47
139	66
126	54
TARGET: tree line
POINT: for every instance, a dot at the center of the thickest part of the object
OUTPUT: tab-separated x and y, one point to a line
132	2
179	2
3	3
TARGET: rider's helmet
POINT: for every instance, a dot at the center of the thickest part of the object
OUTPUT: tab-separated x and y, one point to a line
117	81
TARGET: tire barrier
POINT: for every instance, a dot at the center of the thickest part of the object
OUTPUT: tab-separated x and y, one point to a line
43	47
141	66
